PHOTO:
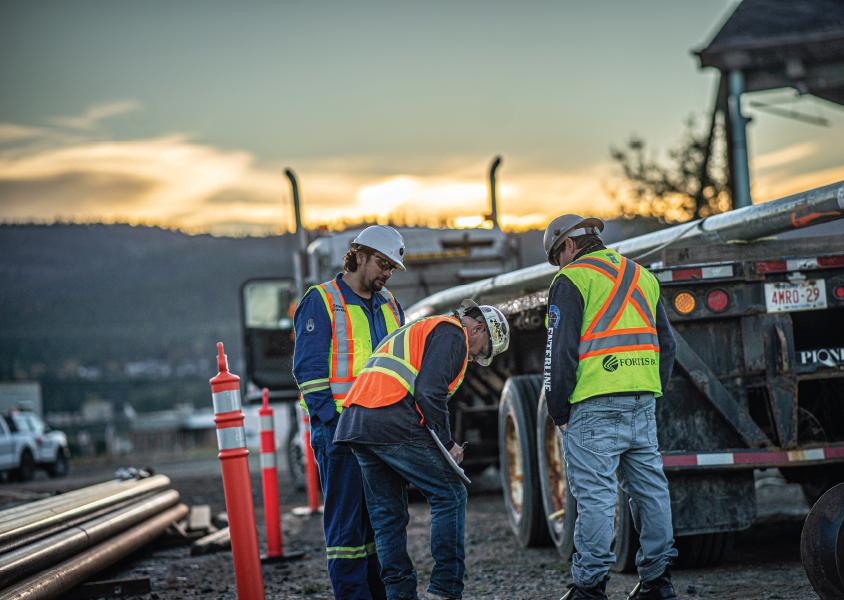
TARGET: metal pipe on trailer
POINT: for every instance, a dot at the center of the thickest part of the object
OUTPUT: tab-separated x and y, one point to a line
39	555
57	580
43	519
811	207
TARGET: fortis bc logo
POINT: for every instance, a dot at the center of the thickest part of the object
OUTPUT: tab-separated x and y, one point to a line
610	363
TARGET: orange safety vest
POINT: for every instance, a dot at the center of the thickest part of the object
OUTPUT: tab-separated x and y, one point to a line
391	371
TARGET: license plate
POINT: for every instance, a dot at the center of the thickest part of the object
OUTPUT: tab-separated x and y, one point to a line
802	295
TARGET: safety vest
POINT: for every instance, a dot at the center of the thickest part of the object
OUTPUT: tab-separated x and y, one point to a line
390	373
619	348
351	342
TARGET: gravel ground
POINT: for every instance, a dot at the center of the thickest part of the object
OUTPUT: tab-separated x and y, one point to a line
765	563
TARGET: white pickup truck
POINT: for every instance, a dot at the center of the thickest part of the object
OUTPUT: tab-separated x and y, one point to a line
27	443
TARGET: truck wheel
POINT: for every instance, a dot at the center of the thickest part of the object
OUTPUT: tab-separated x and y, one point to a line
557	500
61	467
517	453
26	470
705	550
625	537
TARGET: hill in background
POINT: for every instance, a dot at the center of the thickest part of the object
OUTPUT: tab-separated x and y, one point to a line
131	313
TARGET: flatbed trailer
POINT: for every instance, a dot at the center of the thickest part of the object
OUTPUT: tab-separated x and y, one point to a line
758	383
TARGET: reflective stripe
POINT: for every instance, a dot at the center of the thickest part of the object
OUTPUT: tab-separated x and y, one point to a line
230	438
391	302
400	345
612	273
599	264
227	401
268	460
618	301
614	341
388	339
349	552
341	329
266	422
643	308
314	385
401	370
340	388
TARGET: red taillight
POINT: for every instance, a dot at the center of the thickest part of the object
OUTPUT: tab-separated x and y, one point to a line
838	292
717	300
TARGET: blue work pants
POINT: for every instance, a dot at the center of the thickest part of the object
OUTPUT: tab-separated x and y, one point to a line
352	562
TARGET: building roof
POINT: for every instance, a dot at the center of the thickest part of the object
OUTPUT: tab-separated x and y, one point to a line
783	43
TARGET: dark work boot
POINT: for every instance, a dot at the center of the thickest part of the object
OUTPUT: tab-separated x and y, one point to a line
598	592
659	588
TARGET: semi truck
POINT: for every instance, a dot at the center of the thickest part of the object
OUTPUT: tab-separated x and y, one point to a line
758	381
436	258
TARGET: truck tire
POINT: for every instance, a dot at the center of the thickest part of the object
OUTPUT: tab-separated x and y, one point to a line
557	500
26	470
705	550
625	537
61	467
517	453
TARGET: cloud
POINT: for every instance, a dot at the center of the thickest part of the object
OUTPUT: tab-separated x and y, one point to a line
178	182
785	156
94	114
10	132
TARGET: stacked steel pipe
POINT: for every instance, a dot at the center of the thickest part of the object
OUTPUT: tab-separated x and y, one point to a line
51	545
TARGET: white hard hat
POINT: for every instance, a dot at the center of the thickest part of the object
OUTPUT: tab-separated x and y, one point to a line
566	226
385	240
496	325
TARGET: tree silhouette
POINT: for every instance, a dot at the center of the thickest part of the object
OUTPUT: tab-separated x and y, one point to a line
673	189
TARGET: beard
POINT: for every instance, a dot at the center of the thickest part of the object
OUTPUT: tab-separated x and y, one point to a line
377	284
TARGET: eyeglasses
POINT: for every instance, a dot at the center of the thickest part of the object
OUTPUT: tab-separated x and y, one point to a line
383	263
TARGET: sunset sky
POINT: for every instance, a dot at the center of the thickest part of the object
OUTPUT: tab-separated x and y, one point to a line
185	114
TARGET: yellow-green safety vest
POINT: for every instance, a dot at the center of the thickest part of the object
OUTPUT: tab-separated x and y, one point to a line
619	347
351	344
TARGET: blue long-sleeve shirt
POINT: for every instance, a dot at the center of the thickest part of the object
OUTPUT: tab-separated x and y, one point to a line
313	342
563	342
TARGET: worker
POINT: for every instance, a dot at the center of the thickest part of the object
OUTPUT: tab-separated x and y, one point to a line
396	407
338	323
609	355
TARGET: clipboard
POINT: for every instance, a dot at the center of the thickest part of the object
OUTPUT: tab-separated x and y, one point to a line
452	463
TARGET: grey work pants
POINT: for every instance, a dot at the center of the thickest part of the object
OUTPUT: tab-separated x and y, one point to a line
604	435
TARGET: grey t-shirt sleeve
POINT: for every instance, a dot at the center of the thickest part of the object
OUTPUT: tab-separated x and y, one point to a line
565	320
445	351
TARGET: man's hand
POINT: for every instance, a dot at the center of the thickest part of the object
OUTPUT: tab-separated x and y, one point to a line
456	452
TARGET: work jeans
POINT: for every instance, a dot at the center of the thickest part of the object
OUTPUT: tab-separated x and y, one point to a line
386	471
352	563
605	435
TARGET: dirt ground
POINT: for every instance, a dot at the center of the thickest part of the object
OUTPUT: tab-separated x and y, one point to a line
765	563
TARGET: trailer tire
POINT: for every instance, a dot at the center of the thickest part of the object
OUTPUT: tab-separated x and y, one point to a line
517	455
704	550
625	536
560	509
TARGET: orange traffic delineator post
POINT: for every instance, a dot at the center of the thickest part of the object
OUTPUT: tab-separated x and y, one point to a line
311	474
269	477
234	461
